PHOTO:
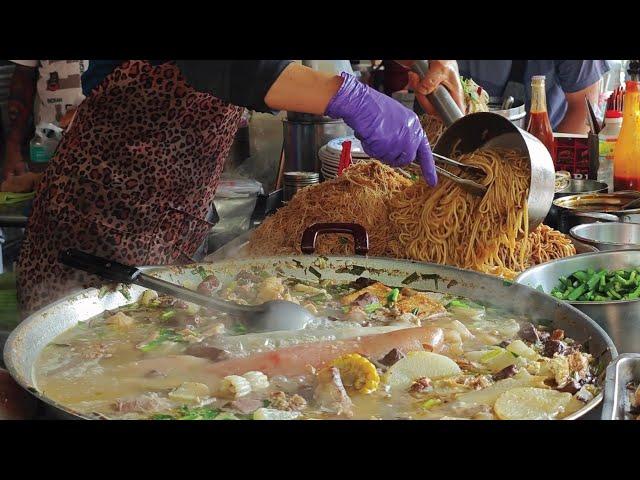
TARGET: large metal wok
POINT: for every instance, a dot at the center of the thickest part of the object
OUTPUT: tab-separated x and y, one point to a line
27	341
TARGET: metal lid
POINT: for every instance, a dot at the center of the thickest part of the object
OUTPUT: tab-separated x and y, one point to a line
299	117
301	175
301	178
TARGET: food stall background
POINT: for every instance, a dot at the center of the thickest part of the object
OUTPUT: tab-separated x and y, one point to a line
256	155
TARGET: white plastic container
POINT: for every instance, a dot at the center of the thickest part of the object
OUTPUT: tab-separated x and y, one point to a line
608	137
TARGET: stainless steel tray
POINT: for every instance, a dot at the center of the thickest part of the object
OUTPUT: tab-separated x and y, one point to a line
617	401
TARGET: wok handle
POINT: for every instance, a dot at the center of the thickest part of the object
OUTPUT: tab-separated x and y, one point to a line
106	269
359	233
440	98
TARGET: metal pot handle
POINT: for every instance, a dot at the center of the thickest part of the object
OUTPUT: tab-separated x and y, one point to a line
359	233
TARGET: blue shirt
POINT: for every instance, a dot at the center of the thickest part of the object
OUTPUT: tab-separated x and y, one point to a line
562	76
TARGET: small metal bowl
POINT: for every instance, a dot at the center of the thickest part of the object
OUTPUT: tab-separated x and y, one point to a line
619	318
575	187
581	186
608	236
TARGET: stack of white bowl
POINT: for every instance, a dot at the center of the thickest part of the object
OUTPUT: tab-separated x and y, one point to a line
330	155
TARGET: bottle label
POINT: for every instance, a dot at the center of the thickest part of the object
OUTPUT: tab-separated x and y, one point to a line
39	154
606	148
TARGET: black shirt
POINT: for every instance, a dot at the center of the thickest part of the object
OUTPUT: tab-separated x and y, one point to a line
240	82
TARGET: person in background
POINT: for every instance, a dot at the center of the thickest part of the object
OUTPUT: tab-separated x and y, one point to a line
47	91
567	83
136	171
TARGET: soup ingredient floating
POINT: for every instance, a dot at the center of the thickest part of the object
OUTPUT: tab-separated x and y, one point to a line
599	286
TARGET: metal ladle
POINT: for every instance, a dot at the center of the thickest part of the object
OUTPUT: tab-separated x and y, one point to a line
632	203
486	129
270	316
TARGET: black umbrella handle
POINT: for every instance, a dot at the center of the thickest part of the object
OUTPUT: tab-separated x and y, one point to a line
106	269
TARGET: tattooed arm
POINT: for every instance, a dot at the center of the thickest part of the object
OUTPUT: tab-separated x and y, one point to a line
20	108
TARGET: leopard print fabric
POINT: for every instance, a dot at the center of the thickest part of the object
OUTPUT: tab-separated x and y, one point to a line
131	180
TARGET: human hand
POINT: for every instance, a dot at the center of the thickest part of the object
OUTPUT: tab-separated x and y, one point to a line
388	131
441	72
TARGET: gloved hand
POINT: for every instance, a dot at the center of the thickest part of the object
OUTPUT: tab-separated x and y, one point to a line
388	131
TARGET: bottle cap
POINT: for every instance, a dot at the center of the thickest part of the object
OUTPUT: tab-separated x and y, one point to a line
537	80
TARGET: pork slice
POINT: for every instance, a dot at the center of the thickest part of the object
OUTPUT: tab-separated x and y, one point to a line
245	405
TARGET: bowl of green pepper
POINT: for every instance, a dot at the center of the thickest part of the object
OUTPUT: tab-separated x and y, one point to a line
604	285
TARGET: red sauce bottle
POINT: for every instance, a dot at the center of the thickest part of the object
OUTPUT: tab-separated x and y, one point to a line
539	124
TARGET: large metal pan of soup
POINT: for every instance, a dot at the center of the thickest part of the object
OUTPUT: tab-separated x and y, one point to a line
392	340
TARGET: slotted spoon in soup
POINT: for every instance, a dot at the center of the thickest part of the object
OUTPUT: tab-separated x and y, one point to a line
270	316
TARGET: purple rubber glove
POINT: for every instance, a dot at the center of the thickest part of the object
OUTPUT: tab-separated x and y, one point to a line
388	131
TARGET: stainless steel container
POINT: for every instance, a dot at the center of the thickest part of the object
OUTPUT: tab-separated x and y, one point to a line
609	236
623	371
516	114
294	181
583	187
304	135
620	319
484	129
32	335
610	203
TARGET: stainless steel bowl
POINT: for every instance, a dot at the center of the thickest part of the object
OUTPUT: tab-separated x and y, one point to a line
572	210
608	236
583	187
620	319
33	334
516	114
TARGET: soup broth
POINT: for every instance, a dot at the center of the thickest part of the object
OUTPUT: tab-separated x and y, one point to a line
374	352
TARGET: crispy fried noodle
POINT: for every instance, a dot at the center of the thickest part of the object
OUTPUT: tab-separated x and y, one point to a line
361	194
408	219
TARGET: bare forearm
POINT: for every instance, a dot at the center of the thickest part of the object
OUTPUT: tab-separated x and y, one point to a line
574	120
20	104
301	89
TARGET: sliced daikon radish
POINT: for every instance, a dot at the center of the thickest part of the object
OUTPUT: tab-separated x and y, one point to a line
417	365
529	403
488	396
